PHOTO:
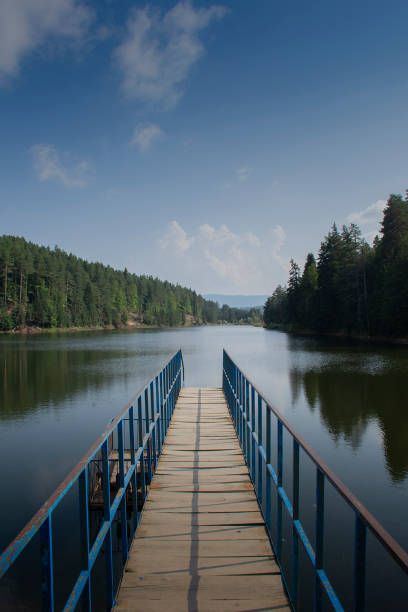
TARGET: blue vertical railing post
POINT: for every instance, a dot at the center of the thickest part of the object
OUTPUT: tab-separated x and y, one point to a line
165	402
166	398
260	442
247	425
359	564
268	474
133	462
236	407
295	536
278	497
234	397
47	565
319	537
162	423
140	444
238	394
171	394
245	408
154	432
158	414
244	419
237	403
234	404
241	409
253	430
233	400
106	513
84	533
149	442
123	519
223	371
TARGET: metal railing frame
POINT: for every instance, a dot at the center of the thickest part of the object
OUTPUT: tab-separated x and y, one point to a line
244	401
160	396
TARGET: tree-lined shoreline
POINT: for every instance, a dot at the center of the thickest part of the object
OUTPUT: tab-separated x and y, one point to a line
49	289
353	289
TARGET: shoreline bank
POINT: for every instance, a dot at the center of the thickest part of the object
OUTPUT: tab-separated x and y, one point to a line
340	335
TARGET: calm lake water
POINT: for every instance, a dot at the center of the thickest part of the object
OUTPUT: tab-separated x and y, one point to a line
349	401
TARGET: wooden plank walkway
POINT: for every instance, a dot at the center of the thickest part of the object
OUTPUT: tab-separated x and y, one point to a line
201	544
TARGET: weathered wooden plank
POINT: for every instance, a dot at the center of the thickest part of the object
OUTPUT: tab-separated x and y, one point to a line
202	518
222	586
234	507
174	602
203	532
156	564
210	487
162	498
205	548
209	592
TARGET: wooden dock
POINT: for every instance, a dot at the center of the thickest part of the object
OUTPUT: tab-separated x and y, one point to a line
201	544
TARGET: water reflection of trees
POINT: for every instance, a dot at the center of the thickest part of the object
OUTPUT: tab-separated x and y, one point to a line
349	400
33	379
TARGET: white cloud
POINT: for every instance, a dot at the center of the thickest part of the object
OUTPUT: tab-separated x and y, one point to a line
369	219
242	173
48	166
145	135
159	51
216	258
371	214
26	24
279	238
175	239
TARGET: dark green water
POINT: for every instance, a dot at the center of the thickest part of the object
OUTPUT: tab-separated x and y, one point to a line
349	401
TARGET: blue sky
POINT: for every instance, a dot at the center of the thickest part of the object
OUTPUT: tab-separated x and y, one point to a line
202	143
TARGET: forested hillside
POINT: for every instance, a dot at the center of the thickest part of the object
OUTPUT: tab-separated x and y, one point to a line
43	287
353	288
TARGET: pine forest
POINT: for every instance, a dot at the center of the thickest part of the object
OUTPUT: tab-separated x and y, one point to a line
353	288
48	288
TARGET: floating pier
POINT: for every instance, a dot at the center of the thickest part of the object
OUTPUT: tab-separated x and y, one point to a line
201	543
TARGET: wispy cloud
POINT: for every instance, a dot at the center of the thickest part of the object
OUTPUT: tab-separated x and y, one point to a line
278	240
222	259
242	173
26	24
145	134
371	214
369	219
159	51
175	239
48	166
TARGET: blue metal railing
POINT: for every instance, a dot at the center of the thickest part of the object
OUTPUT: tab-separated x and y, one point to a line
250	411
141	427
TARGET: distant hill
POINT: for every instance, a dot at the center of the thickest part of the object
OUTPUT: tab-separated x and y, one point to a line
238	301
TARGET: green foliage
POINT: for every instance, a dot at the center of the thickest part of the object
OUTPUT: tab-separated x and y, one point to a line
354	288
6	321
52	289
